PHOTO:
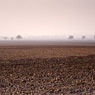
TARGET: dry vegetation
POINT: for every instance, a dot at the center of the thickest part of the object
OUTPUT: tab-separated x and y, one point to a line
47	70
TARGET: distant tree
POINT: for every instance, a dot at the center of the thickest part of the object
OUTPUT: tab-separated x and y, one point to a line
71	37
5	38
19	37
12	38
83	37
94	36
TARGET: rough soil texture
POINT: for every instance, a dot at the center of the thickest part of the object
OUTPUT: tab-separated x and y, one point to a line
47	70
23	52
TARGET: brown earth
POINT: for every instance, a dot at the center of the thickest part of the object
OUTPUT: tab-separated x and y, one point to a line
23	52
47	70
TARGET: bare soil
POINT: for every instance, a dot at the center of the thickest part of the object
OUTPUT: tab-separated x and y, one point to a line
47	70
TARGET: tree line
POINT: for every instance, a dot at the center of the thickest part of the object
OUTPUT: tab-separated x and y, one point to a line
83	37
19	37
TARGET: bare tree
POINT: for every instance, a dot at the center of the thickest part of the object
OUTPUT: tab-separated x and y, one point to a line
94	36
71	37
83	37
19	37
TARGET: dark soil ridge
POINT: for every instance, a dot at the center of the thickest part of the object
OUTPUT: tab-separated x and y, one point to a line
28	61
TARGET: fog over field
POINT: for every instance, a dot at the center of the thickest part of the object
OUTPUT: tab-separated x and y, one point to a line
48	40
47	22
52	42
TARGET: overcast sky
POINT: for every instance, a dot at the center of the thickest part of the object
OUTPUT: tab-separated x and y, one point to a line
47	17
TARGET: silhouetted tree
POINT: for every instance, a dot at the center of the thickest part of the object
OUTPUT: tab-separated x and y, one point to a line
94	36
19	37
83	37
71	37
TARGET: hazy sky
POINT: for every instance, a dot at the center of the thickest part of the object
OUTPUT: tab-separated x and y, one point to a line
47	17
